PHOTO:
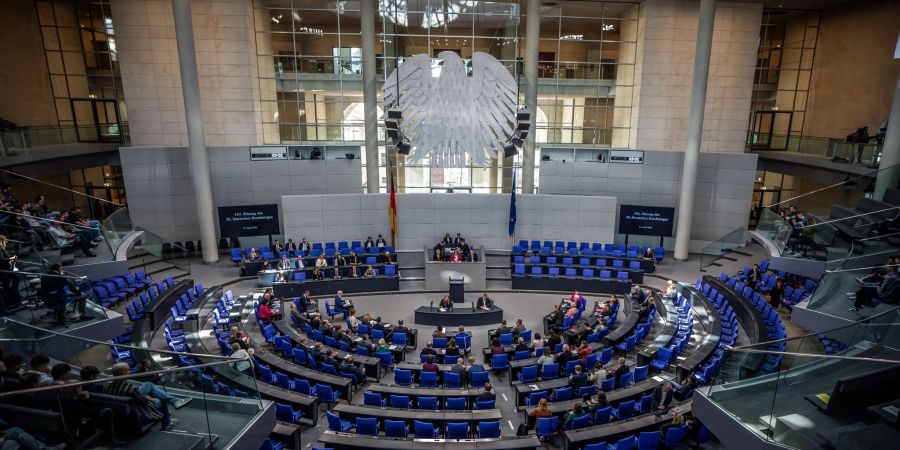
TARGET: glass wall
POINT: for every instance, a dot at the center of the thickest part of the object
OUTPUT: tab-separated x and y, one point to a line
311	83
787	47
80	47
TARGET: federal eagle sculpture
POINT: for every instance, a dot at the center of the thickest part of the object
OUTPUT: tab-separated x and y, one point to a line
453	111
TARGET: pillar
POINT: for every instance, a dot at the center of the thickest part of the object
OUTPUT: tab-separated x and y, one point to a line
370	95
695	129
890	151
190	90
532	44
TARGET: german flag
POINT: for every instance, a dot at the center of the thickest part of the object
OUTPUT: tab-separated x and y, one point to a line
392	210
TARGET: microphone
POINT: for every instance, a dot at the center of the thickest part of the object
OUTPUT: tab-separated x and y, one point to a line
473	306
431	305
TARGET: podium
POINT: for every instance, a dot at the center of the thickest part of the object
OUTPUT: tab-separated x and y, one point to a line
457	289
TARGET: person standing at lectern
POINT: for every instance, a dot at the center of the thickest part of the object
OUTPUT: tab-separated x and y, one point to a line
484	302
446	304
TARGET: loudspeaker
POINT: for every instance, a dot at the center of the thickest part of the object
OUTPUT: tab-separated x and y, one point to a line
522	126
391	124
521	135
523	115
392	133
395	114
403	148
518	142
510	149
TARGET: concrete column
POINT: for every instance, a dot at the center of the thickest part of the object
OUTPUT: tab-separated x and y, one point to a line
190	90
370	94
890	152
532	43
695	129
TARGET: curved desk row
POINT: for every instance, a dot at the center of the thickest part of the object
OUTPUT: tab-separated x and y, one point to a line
251	268
235	379
439	418
414	392
349	441
460	315
613	431
661	335
564	284
713	333
647	265
372	365
329	287
749	318
268	277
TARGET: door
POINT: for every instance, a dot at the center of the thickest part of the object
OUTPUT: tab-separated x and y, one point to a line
771	130
96	120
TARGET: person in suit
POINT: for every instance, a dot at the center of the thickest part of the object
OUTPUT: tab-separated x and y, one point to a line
487	395
305	247
475	366
318	352
553	340
502	329
285	263
621	370
369	243
451	351
662	396
459	368
564	356
277	247
579	378
400	328
484	302
341	303
439	333
9	284
428	350
378	324
521	345
380	243
308	303
298	264
465	249
520	327
290	246
348	366
445	304
752	277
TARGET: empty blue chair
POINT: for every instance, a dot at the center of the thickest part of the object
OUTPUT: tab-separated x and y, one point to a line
335	423
500	362
640	373
605	274
624	444
519	269
563	394
485	404
429	403
648	440
367	426
395	428
598	446
457	430
286	413
373	399
477	379
535	397
425	430
439	343
456	403
506	339
624	411
553	271
602	415
452	380
674	436
587	273
643	406
528	374
551	260
581	422
634	265
570	272
622	276
663	357
608	385
269	444
550	371
487	430
428	379
390	270
568	261
521	354
626	379
537	270
400	401
326	394
547	426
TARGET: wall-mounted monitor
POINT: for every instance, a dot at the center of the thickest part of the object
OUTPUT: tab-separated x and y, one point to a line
248	220
267	153
646	220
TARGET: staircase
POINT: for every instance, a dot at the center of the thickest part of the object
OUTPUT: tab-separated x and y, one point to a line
157	267
498	269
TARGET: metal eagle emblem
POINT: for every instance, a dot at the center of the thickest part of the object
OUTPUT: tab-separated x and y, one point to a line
454	111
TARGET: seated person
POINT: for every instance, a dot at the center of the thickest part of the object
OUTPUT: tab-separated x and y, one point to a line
484	302
280	277
370	272
285	263
342	304
638	294
369	243
458	240
671	290
429	365
456	256
354	261
438	255
386	258
380	243
487	395
650	254
577	298
316	274
466	250
519	327
253	255
888	291
446	304
265	312
428	350
321	262
152	404
305	247
348	366
290	246
502	329
277	247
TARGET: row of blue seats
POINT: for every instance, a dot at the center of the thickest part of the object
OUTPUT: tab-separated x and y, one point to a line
647	440
390	270
774	327
113	290
637	375
368	426
266	253
586	248
570	272
729	332
568	261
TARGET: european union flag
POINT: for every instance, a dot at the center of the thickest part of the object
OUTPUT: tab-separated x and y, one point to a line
512	207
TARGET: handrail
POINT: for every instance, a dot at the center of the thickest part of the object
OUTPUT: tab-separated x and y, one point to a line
750	346
129	376
16	174
48	220
130	347
853	217
814	355
865	175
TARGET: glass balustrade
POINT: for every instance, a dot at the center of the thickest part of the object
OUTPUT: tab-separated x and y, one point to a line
49	299
215	414
721	247
800	392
